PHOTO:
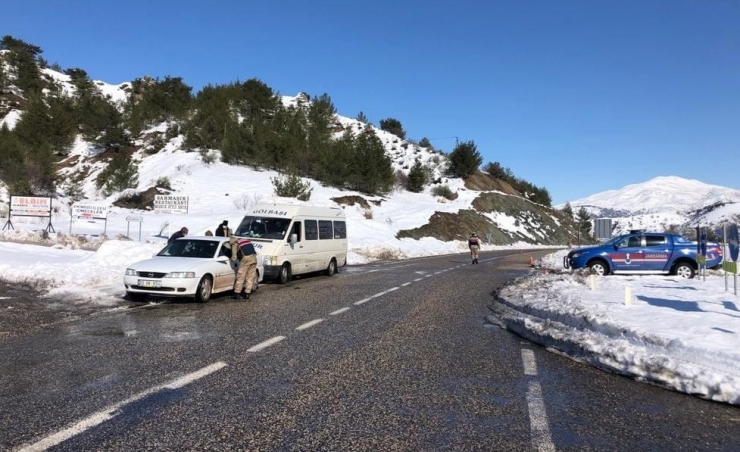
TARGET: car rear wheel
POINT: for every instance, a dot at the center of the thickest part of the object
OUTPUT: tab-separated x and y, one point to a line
332	268
598	268
684	270
284	275
204	290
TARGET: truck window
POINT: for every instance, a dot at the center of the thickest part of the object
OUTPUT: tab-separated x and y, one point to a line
655	240
311	229
340	230
326	231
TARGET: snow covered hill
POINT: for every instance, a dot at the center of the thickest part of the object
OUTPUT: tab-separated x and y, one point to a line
664	202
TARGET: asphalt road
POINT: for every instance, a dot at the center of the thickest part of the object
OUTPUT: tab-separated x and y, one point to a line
382	357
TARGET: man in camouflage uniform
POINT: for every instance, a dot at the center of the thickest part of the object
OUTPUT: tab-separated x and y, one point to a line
243	252
474	245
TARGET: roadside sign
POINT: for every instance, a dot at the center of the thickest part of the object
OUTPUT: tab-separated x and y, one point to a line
733	242
135	218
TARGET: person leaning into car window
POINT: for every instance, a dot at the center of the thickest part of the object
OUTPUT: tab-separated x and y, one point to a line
181	233
243	251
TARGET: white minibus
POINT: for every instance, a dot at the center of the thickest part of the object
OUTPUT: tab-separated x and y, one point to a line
295	239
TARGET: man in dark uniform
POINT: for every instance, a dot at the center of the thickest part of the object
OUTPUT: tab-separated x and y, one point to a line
223	229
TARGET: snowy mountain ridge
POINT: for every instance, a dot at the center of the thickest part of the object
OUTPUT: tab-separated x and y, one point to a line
664	202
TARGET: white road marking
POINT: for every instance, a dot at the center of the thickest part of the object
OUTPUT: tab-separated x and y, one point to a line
266	344
309	324
418	279
541	439
391	290
112	411
405	284
339	311
530	365
364	300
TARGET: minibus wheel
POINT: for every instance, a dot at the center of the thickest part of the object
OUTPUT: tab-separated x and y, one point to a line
284	275
332	268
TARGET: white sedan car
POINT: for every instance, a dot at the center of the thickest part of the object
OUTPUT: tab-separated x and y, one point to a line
188	267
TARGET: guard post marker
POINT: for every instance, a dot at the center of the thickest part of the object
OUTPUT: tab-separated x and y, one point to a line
628	296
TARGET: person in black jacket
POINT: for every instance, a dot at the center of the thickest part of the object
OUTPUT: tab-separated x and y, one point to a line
223	229
181	233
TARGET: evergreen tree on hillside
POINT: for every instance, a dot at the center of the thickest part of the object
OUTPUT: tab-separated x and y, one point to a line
120	174
583	221
321	113
496	170
373	171
465	159
212	111
393	126
256	100
417	178
362	118
23	58
567	210
157	100
425	143
337	162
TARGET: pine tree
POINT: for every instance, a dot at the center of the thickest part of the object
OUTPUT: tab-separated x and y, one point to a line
374	169
120	174
465	159
393	126
417	178
567	210
583	220
362	118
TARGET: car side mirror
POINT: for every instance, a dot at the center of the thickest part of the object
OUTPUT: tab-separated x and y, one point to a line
293	238
222	259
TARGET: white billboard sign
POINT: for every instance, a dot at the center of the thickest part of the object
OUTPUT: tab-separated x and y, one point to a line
170	204
30	206
82	211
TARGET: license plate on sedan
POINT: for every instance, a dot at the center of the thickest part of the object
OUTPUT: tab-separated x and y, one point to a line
149	283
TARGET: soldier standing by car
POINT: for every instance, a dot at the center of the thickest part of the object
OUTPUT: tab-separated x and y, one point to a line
243	251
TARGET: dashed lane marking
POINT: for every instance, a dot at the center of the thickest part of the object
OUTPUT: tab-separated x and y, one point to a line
112	411
339	311
266	344
530	365
309	324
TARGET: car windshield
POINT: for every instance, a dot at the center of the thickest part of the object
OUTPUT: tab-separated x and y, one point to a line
263	227
613	240
198	248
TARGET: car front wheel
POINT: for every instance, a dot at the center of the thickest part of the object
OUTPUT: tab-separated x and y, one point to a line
685	270
598	268
136	296
204	290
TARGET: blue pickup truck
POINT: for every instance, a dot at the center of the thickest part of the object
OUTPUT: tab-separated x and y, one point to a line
644	252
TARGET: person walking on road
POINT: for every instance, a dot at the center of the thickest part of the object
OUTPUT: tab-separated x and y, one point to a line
243	251
474	245
179	234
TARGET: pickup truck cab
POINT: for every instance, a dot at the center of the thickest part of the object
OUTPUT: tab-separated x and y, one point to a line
644	252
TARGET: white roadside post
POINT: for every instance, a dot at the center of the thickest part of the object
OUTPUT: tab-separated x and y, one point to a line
628	296
134	219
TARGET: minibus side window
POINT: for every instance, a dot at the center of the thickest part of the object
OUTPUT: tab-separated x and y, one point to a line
340	230
296	230
326	231
311	229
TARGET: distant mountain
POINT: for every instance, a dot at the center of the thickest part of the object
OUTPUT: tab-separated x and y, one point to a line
665	202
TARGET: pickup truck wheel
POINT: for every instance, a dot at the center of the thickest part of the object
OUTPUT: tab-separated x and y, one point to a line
598	268
684	270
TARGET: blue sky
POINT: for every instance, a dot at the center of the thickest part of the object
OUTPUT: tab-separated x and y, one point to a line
574	96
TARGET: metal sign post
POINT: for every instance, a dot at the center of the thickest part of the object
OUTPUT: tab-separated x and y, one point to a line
134	219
